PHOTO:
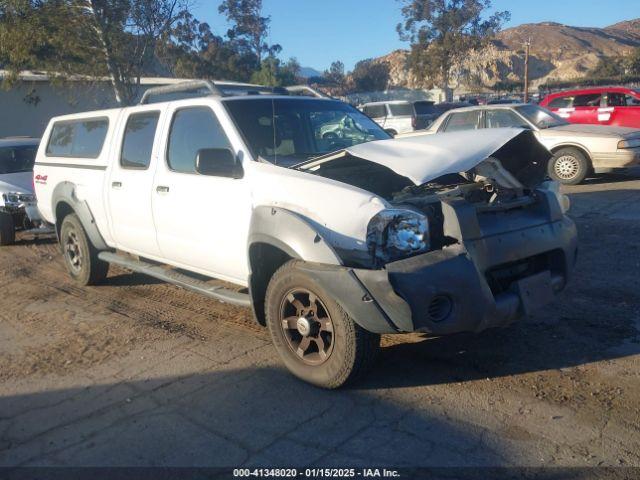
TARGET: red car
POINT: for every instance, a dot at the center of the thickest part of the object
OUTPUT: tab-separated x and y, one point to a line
618	106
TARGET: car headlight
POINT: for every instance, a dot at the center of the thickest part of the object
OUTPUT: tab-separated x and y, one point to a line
15	199
395	233
631	143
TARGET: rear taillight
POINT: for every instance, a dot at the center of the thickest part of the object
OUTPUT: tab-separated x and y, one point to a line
414	121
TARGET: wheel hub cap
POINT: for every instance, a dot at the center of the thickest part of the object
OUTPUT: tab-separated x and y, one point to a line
304	326
566	167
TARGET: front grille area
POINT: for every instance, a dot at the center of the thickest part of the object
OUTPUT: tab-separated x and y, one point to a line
502	277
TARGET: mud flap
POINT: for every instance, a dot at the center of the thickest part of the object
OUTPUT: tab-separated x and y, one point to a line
535	291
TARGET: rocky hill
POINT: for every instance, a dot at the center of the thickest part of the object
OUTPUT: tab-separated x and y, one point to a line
558	52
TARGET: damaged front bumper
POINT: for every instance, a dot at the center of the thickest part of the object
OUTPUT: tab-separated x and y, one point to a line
24	210
504	266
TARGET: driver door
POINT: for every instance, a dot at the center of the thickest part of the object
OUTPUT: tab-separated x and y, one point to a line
202	221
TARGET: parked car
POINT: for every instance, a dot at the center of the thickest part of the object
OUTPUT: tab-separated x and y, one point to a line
428	112
396	117
578	150
18	208
400	116
504	101
617	106
332	242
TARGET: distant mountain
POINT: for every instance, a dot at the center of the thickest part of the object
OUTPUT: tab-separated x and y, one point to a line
308	72
559	52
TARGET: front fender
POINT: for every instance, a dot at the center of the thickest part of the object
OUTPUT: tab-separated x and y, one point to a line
291	233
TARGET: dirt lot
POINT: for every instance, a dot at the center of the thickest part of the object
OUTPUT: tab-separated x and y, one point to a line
137	372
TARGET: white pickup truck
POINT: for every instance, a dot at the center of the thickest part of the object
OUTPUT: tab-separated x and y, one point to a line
331	241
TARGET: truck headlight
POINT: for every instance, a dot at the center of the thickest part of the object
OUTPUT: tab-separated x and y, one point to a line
394	233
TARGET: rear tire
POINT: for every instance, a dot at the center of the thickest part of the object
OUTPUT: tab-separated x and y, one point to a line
568	166
7	229
315	338
80	256
392	132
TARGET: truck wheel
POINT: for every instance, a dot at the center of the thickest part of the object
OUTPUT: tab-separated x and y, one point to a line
568	166
80	256
7	229
316	339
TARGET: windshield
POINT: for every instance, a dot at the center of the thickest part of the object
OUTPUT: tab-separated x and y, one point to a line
17	159
290	131
540	117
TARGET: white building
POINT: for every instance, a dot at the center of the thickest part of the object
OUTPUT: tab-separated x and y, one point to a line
25	109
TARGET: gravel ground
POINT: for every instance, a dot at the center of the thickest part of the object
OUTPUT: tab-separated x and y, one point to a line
137	372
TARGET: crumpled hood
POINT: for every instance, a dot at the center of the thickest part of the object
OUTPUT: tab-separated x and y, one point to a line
21	182
422	158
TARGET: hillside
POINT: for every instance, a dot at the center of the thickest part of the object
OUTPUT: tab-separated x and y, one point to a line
558	52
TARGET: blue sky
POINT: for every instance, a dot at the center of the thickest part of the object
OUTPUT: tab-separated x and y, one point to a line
318	32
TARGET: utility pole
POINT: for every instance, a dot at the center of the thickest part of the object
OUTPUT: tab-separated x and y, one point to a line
527	46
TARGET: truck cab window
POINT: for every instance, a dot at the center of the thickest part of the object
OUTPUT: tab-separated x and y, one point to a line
137	143
79	138
193	129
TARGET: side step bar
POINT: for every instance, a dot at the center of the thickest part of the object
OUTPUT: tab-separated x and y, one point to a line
181	280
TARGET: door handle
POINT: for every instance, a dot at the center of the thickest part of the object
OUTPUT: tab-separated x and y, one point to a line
162	189
116	184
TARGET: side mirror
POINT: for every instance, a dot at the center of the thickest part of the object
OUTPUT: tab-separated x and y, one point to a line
218	162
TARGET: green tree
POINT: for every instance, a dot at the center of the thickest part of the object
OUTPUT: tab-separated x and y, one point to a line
191	50
335	74
370	76
274	73
633	62
443	32
113	38
609	67
248	27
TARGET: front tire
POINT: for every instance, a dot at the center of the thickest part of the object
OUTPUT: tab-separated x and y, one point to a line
315	338
80	256
7	229
568	166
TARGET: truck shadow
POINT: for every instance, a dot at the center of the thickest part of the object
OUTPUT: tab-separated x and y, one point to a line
244	417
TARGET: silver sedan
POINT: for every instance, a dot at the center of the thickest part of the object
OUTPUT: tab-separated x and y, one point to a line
578	150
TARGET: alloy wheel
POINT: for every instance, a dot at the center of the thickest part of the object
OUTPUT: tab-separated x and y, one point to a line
72	251
307	326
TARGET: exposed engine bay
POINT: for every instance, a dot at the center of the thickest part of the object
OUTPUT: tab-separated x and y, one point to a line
503	181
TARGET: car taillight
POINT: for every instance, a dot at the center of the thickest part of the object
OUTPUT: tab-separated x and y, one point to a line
414	121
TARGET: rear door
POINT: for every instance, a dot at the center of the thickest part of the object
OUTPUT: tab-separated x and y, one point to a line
131	181
587	109
202	221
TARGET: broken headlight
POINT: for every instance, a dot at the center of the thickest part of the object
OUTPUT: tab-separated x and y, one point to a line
394	233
